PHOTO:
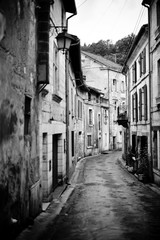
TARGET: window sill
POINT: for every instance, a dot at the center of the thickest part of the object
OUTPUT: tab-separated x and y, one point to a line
89	147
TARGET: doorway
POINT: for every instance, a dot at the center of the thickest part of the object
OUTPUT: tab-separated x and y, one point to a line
54	160
114	143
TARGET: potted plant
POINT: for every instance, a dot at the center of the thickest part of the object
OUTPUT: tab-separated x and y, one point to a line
143	166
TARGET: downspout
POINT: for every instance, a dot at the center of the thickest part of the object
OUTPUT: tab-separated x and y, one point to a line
67	109
108	109
150	105
67	116
68	19
150	92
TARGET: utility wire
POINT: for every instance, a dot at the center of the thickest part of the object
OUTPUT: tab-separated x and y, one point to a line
82	3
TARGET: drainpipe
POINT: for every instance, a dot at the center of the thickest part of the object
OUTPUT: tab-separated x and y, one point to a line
150	91
67	107
67	115
108	109
150	98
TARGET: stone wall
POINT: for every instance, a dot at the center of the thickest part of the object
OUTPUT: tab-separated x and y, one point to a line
19	151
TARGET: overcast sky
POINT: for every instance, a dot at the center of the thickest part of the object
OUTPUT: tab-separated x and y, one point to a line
106	19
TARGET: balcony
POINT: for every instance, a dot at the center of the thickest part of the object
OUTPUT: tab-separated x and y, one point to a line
122	118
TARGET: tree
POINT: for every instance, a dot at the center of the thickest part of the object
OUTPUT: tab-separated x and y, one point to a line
107	49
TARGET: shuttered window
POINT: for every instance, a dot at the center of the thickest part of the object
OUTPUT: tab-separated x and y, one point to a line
135	107
79	109
158	13
144	61
134	73
159	78
90	117
140	104
145	103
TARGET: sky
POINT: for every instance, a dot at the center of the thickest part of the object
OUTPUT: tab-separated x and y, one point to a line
107	19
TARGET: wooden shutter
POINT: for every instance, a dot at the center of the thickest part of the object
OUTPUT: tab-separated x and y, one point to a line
136	106
144	60
145	103
133	107
140	104
135	69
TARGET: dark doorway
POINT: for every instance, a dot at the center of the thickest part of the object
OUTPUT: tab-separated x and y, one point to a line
114	142
134	143
55	160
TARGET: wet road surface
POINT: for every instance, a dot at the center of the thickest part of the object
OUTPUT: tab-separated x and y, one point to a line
108	204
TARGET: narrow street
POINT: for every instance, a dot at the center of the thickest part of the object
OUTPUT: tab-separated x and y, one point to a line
108	203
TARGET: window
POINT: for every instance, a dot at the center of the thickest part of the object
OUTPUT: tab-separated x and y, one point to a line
79	109
114	85
145	103
155	149
143	113
90	117
27	116
89	141
140	104
134	107
134	73
140	65
105	116
72	102
99	122
142	62
72	135
89	96
158	13
159	77
55	69
122	86
75	105
45	146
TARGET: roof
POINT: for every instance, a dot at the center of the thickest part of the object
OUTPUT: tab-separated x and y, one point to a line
108	63
70	6
95	90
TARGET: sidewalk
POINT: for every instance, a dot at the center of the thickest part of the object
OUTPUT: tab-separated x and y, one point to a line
48	216
152	186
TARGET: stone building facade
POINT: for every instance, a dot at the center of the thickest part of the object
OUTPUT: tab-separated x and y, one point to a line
20	185
33	102
136	70
154	69
106	75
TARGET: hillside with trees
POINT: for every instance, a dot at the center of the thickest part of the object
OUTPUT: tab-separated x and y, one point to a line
115	52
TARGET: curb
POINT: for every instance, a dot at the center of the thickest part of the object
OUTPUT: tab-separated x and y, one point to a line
48	216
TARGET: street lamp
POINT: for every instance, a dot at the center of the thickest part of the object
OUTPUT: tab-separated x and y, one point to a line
64	40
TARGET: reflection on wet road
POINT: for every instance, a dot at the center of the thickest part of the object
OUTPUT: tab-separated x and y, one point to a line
108	204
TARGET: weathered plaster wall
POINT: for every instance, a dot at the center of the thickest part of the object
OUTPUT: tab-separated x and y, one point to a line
19	154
